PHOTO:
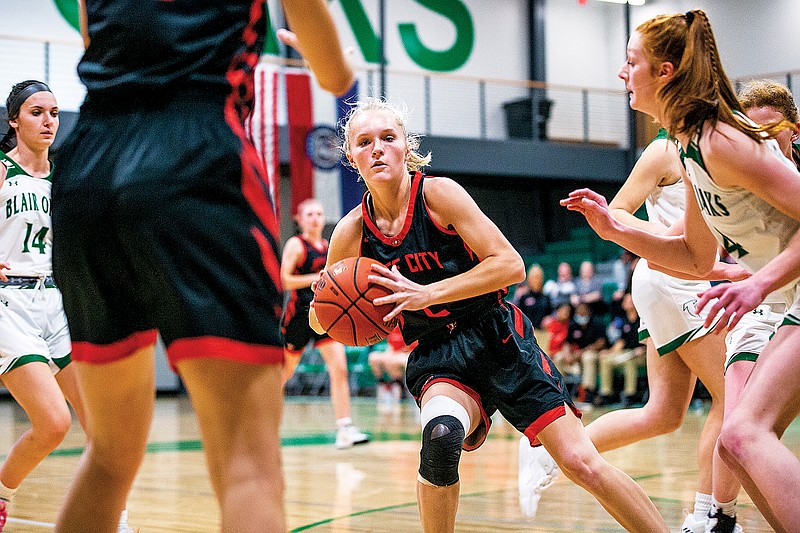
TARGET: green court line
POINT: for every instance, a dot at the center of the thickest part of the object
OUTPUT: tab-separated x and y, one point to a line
317	439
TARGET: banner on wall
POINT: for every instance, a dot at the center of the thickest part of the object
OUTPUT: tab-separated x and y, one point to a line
262	126
290	96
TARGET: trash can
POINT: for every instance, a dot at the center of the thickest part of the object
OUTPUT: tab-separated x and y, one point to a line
520	118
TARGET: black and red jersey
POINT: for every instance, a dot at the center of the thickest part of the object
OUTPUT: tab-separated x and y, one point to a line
425	253
144	48
313	261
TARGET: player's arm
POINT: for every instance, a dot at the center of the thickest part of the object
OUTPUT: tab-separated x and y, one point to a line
762	172
293	253
318	42
658	166
83	22
692	251
345	242
452	207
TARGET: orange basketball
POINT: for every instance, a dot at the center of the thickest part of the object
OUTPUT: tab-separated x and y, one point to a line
343	303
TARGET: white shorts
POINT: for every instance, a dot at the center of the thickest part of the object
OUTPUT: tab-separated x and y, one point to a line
33	327
750	336
792	316
666	307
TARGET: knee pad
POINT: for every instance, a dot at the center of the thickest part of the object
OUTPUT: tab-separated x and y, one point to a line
442	439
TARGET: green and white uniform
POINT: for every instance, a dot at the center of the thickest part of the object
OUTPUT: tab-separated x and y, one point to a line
666	305
749	228
32	319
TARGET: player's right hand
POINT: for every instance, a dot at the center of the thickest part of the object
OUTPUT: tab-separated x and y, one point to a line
6	266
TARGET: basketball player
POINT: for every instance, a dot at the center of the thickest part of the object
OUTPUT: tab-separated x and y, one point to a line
303	258
679	348
164	225
34	345
743	196
476	353
767	101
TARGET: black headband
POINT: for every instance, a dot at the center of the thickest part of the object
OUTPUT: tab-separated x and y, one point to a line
689	17
18	99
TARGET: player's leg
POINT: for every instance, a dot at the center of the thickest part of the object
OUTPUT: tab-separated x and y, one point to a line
446	413
291	359
670	383
750	440
239	408
67	379
119	419
33	387
333	354
567	441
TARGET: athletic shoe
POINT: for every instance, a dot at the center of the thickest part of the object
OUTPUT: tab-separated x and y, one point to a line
122	526
692	524
537	471
3	514
722	523
349	436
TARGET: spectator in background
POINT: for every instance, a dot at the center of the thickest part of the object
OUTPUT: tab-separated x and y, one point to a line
532	301
626	351
589	289
556	326
622	270
586	337
561	289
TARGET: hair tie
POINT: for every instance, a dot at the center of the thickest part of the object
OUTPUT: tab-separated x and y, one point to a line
689	17
18	99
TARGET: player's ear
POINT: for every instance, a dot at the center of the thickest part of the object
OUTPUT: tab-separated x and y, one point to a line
667	69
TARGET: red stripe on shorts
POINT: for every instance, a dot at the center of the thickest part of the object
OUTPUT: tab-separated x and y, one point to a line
544	420
100	354
222	348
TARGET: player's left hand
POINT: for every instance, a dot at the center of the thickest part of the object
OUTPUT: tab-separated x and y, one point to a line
6	266
594	207
733	301
406	295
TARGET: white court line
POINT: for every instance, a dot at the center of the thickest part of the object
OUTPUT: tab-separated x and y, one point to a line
31	523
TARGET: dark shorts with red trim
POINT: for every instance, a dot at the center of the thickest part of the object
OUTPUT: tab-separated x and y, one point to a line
495	359
163	222
297	333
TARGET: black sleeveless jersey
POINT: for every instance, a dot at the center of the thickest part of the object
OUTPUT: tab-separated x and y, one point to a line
313	262
425	253
142	48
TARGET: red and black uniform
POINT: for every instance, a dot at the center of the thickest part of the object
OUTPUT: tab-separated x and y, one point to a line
163	220
482	345
296	331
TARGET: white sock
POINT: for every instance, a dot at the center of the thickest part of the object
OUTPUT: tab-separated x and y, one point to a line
6	493
123	518
342	423
702	505
728	508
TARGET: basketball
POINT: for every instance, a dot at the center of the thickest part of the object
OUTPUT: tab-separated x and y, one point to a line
343	303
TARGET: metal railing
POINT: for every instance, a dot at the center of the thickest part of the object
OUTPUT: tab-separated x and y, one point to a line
443	104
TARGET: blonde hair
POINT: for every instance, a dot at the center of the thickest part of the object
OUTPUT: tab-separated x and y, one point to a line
769	93
414	160
699	89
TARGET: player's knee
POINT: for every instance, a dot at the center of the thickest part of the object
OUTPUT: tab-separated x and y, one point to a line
442	439
735	437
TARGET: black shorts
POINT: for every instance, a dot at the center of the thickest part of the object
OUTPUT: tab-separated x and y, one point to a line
495	359
297	333
163	222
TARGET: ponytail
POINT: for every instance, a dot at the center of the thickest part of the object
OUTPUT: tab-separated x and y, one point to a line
699	90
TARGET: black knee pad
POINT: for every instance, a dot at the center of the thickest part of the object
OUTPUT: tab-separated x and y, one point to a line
442	439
